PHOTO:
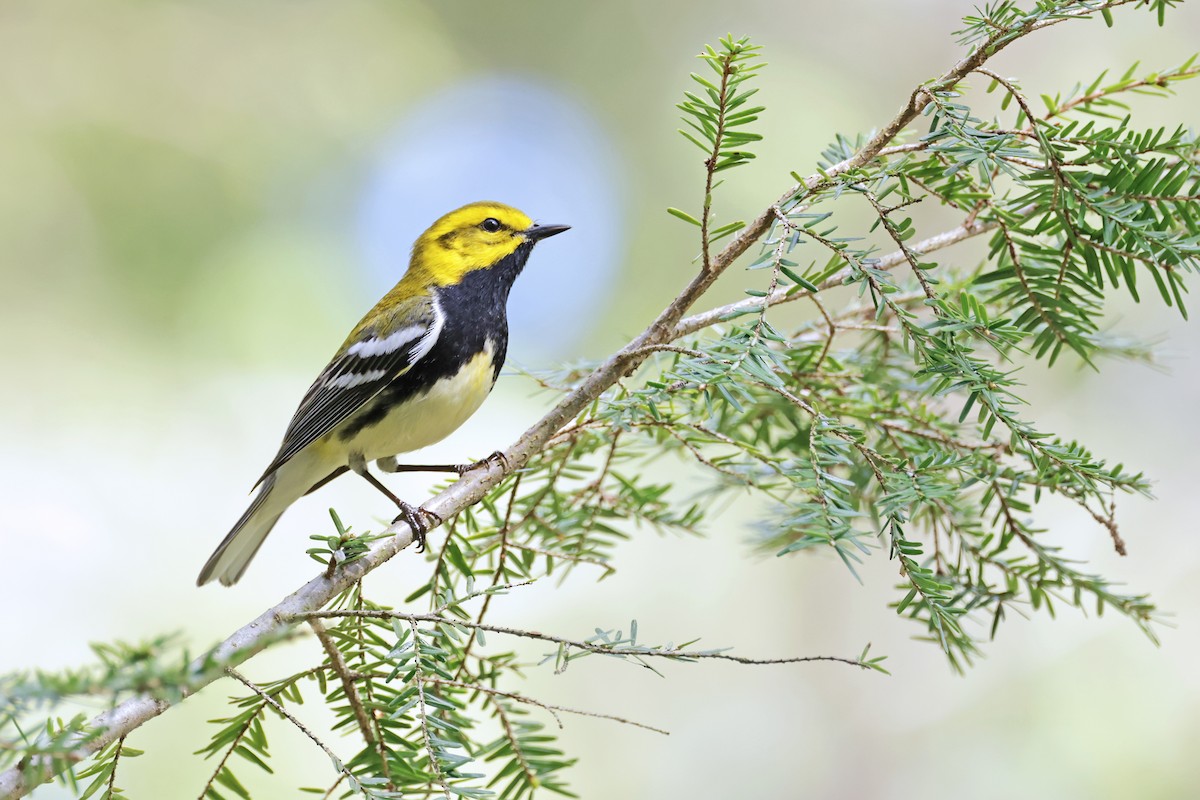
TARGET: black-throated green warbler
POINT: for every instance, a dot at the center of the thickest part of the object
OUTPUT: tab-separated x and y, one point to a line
414	369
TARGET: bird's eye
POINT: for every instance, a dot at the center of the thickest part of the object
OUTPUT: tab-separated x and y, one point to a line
491	225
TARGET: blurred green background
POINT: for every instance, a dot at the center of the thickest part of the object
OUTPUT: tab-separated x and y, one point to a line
199	199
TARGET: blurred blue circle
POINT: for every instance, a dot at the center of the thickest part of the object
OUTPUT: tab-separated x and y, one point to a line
520	142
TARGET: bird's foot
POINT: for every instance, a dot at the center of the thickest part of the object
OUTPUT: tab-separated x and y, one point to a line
419	520
496	459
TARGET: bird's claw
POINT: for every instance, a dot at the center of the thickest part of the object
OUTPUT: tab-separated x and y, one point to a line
419	520
496	459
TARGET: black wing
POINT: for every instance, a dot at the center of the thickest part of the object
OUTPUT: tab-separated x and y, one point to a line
361	370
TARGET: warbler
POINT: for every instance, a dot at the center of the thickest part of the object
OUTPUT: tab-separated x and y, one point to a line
411	372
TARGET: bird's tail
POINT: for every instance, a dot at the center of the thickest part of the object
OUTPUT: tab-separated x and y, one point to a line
233	554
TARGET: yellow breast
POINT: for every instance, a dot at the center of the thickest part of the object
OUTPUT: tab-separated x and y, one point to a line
431	416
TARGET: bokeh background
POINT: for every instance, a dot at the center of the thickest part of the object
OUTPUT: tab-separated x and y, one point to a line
199	199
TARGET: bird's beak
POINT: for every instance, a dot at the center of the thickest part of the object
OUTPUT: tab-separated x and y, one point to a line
537	232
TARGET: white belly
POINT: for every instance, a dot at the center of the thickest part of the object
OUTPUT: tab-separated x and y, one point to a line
429	417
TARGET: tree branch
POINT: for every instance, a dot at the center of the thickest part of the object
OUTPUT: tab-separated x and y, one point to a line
552	709
338	665
277	623
704	319
279	709
578	644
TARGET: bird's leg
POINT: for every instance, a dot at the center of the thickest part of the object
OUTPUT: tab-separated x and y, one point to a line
389	465
413	515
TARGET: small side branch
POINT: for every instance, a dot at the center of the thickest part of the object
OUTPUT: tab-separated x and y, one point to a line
705	319
422	709
552	709
338	665
591	647
283	712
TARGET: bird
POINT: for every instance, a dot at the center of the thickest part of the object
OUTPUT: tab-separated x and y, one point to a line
416	367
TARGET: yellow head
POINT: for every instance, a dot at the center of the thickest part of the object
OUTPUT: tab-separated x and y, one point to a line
476	236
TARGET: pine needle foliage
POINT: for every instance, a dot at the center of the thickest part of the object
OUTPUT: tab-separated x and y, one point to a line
887	423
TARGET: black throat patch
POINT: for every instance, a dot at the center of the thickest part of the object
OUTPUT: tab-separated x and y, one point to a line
474	314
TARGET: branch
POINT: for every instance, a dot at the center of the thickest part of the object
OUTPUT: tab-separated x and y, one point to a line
475	687
277	622
787	294
422	710
591	647
710	164
279	709
338	665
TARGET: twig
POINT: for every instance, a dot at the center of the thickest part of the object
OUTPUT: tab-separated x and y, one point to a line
229	751
376	725
591	647
338	664
499	588
1022	277
713	316
710	164
904	250
513	741
283	712
833	329
497	576
112	775
553	709
329	792
595	562
1161	81
419	680
940	437
1110	523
